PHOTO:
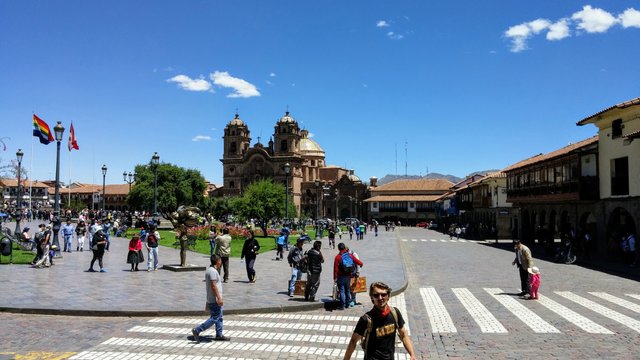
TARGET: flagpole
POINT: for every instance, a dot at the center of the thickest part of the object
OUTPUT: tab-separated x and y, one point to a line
69	185
31	178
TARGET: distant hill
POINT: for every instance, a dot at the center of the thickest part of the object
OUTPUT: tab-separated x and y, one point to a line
454	179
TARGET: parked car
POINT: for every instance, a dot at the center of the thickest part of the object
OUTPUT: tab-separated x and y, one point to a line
422	224
433	225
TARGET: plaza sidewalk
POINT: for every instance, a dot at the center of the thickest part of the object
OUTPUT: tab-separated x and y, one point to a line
66	288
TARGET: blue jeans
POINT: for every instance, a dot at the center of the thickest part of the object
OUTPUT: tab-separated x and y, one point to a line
153	254
215	318
344	290
67	242
213	246
296	274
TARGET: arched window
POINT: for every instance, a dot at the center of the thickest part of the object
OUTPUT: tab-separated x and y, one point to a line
233	148
284	145
232	184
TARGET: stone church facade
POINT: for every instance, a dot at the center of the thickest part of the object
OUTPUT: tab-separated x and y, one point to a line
312	184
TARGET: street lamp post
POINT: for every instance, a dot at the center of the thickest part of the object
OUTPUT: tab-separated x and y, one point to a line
155	160
104	175
130	180
337	197
287	171
317	183
58	130
19	155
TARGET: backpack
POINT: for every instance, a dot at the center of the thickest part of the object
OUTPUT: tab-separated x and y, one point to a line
367	332
346	264
151	240
39	236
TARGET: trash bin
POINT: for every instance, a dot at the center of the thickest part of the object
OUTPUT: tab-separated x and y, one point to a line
5	246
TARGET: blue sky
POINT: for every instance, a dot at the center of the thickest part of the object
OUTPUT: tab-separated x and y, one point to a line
466	85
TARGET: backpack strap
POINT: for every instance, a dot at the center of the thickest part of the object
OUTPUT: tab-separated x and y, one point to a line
365	339
394	312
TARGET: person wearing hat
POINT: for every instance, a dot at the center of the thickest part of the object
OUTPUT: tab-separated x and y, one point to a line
37	239
524	261
45	259
223	249
534	280
26	237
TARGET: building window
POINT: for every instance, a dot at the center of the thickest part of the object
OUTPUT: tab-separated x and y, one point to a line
232	184
620	176
284	146
233	148
616	129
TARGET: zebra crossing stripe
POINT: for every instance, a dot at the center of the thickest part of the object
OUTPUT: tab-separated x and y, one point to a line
244	334
281	316
443	240
618	301
527	316
635	296
423	240
109	355
226	346
438	316
434	240
414	240
404	240
572	316
399	302
462	240
602	310
262	324
487	322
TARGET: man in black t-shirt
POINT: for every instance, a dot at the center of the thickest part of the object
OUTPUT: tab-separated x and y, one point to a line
377	328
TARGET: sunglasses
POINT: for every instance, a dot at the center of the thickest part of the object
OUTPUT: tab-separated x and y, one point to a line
379	295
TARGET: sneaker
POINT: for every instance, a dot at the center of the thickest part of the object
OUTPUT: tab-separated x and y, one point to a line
149	269
91	270
290	295
222	338
196	336
103	270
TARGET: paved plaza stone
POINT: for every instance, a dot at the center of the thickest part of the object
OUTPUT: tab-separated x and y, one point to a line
67	287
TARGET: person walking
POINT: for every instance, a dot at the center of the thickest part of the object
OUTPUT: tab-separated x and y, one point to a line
295	259
67	233
134	257
523	261
153	238
314	261
280	247
81	231
250	250
377	328
214	302
213	232
45	247
99	243
106	228
223	249
332	237
344	264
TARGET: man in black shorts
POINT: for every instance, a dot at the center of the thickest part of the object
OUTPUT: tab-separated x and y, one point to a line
377	328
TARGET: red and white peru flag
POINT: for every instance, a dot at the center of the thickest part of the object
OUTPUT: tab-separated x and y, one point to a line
73	144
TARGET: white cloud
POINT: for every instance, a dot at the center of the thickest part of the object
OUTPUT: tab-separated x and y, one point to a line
190	84
392	35
594	20
201	138
519	34
559	30
242	88
630	18
268	82
382	23
272	74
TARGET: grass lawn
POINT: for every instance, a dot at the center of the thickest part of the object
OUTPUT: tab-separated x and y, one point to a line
20	257
168	239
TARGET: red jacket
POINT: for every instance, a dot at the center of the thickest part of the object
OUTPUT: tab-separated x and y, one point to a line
338	260
135	245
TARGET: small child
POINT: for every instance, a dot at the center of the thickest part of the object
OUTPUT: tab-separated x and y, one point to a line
534	280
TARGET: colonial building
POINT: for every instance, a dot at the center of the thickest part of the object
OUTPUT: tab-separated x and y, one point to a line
619	167
316	190
491	212
555	192
407	201
34	192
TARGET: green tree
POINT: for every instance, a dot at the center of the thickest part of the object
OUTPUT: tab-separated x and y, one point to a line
176	186
263	201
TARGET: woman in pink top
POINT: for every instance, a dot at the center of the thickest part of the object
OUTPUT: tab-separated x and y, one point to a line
135	253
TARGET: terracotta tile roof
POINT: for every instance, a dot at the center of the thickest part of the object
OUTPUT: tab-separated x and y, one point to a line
380	198
25	182
633	135
623	105
554	154
493	175
415	185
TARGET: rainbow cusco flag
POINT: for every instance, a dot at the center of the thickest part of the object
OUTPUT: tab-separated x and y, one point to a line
41	130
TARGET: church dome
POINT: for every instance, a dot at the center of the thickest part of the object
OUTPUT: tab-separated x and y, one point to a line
237	121
287	119
353	177
309	147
